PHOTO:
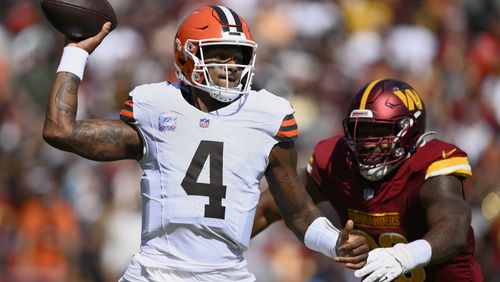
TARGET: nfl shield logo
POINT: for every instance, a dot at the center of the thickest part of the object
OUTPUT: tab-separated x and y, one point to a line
368	193
204	122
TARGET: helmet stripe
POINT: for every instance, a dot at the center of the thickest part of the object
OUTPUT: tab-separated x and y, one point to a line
239	26
229	19
367	92
222	17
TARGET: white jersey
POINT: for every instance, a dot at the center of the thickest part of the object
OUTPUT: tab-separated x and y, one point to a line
202	172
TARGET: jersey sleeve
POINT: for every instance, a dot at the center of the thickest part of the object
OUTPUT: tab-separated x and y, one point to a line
318	164
452	161
288	130
274	115
127	111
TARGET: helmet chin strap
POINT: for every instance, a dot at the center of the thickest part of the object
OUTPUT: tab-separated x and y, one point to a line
222	94
376	173
236	88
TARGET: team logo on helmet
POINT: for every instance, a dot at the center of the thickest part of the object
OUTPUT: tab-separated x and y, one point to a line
409	98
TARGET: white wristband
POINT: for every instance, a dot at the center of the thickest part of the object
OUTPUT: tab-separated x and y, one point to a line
321	236
420	250
73	60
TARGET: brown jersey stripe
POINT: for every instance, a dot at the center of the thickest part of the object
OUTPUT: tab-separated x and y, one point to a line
128	107
288	129
289	122
127	111
285	139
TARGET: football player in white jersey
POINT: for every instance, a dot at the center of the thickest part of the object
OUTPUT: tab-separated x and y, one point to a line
204	143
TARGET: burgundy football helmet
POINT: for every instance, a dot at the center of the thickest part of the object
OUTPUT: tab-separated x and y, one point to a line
384	125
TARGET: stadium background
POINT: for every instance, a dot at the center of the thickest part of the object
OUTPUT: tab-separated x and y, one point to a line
63	218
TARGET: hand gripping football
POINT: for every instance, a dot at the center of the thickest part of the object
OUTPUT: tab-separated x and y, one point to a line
79	19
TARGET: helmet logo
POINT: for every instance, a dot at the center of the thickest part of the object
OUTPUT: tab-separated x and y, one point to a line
410	98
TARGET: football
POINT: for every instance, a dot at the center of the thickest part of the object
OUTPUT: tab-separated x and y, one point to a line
79	19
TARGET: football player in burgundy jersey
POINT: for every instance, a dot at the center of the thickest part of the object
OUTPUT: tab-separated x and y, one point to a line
402	189
203	143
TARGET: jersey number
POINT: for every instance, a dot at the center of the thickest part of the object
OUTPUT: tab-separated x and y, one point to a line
215	190
387	240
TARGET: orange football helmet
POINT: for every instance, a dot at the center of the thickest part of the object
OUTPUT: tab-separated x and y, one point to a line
385	124
209	26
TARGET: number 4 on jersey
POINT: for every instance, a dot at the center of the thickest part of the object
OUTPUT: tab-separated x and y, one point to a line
215	190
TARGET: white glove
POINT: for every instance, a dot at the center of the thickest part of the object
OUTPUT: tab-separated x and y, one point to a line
381	265
386	264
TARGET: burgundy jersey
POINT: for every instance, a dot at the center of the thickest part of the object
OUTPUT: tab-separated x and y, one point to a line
388	212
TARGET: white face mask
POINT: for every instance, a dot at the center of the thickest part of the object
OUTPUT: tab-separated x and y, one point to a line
375	174
221	93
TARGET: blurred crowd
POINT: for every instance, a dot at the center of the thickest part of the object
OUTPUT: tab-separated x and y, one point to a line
63	218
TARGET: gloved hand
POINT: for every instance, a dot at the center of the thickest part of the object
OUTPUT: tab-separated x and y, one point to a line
381	265
385	264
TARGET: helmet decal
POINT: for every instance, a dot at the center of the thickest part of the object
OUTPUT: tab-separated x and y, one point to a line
410	99
229	20
366	93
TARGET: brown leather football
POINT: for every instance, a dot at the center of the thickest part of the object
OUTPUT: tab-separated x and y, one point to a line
79	19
